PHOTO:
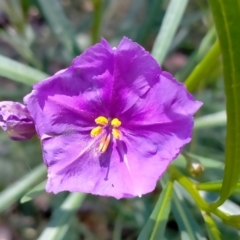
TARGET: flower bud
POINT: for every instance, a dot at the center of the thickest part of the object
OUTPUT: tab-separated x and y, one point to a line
16	121
196	169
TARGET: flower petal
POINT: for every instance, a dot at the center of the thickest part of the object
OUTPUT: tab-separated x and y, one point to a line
135	73
76	166
166	102
149	151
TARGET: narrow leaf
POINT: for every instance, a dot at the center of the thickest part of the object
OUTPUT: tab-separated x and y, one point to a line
202	70
155	226
19	72
197	55
168	29
211	120
61	219
17	189
152	12
226	13
34	192
59	24
189	228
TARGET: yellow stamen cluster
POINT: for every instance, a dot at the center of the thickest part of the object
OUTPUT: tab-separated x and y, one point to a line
96	131
116	123
101	120
104	143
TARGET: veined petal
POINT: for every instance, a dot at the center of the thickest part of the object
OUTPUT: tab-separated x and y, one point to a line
166	102
76	166
135	73
150	150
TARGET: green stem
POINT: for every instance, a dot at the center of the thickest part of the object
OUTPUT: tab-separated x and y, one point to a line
189	186
212	229
214	186
201	203
97	17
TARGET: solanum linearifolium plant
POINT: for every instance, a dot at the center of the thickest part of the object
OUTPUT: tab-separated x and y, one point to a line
113	123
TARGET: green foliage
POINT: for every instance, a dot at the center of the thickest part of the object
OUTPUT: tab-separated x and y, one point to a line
225	14
16	190
168	28
19	72
184	209
62	216
59	24
156	224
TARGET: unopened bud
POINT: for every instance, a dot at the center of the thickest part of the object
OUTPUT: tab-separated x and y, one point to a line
196	169
16	121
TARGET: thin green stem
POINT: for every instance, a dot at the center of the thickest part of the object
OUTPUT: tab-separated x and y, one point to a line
201	203
97	17
212	229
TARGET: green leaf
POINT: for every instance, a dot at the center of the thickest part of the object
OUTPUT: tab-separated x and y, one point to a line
34	192
202	70
212	229
61	218
155	226
152	12
211	120
168	29
59	24
197	55
17	189
189	228
226	13
19	72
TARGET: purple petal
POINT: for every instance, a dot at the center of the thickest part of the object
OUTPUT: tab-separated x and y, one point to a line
135	73
129	168
166	102
86	170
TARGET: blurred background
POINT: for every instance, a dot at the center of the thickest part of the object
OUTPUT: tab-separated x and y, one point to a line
47	35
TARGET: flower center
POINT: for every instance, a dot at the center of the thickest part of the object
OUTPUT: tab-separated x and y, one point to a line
111	129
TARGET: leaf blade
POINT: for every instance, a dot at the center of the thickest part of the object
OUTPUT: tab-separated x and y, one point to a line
34	192
224	14
190	230
17	189
155	226
59	24
61	218
19	72
168	29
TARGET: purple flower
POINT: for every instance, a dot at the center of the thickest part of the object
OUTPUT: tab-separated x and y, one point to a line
16	121
112	122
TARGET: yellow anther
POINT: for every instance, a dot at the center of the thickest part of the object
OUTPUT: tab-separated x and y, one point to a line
116	133
115	122
101	120
96	131
104	143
